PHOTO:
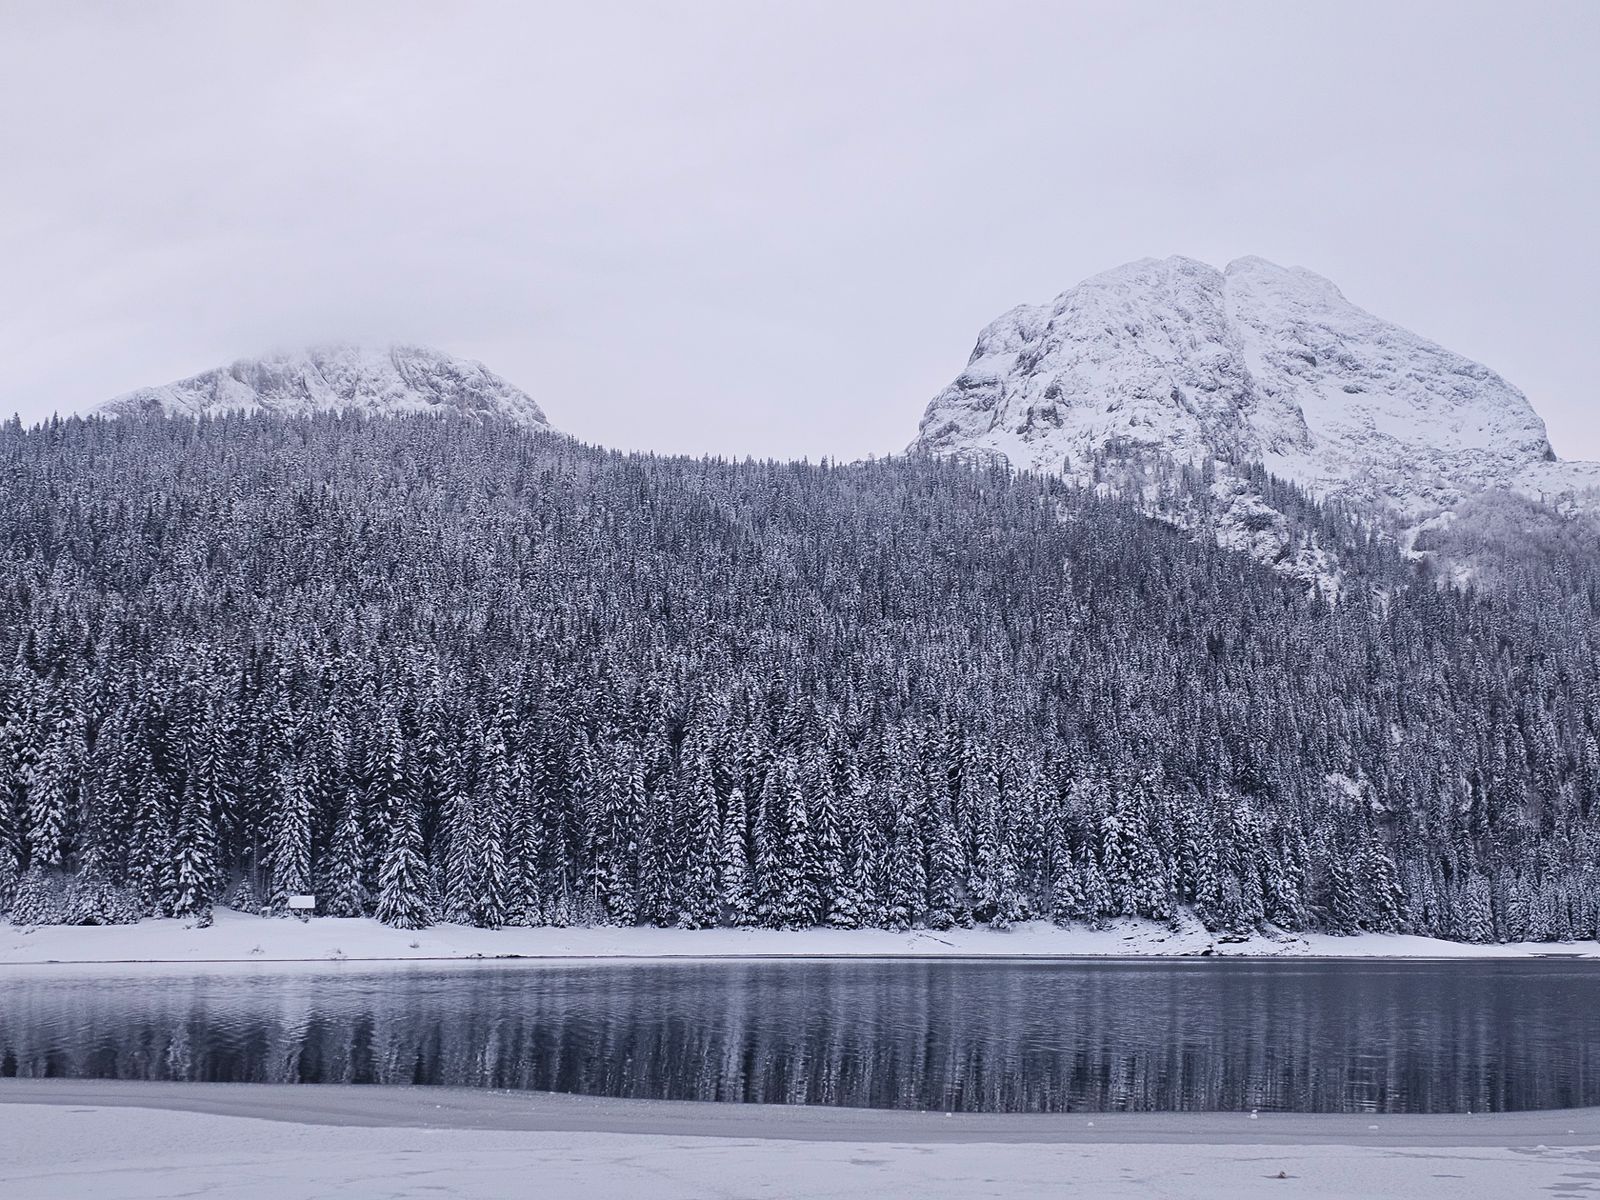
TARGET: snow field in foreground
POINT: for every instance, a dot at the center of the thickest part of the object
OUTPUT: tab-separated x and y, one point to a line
50	1152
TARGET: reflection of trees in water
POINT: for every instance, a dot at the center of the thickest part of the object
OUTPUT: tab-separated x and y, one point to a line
1028	1038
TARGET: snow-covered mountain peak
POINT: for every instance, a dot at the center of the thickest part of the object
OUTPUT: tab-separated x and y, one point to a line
1253	363
1286	281
342	377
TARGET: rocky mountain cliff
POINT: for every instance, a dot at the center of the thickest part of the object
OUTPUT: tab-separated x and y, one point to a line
341	378
1255	363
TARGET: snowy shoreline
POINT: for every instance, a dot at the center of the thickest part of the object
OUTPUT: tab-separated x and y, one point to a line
241	938
420	1107
66	1138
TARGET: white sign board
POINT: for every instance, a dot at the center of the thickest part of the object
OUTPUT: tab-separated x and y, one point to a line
302	902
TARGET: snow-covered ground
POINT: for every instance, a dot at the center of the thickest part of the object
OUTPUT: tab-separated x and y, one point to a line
66	1139
244	938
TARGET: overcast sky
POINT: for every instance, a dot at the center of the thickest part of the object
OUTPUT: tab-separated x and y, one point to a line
765	228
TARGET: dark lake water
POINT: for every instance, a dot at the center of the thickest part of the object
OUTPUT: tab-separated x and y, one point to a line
1008	1036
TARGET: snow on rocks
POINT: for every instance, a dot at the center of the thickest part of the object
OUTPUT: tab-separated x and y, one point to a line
383	381
1255	363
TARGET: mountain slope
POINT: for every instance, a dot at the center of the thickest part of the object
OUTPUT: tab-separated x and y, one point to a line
524	681
341	378
1252	364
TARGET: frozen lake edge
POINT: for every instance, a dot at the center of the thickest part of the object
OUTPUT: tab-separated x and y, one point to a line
150	1141
374	1106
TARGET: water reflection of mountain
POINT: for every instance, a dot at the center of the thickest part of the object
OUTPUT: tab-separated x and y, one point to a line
1012	1037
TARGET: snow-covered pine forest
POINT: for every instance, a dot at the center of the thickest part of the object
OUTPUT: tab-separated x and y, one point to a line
434	670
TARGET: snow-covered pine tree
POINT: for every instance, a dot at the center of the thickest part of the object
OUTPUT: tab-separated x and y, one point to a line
461	860
1119	851
492	900
737	893
620	796
403	875
947	869
10	826
706	851
291	842
1385	903
1068	901
1341	899
786	899
194	862
526	846
36	901
824	865
1284	878
661	854
51	795
386	774
206	783
1097	899
905	880
864	906
1241	864
150	833
342	892
1474	916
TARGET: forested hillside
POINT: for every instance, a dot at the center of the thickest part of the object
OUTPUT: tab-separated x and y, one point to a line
436	670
